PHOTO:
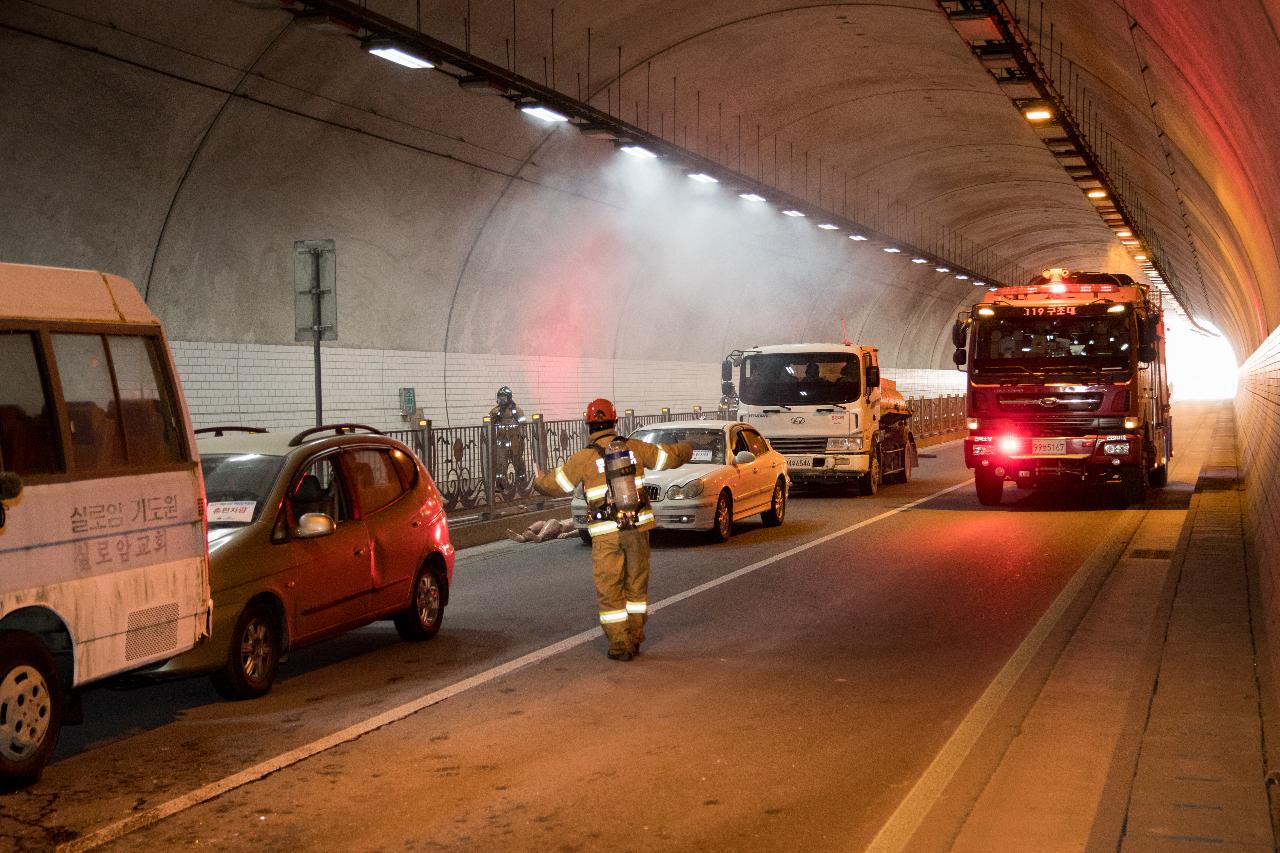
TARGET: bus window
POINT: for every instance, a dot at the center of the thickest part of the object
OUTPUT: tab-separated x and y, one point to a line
29	442
150	420
96	439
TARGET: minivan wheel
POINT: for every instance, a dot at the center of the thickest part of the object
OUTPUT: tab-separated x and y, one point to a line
254	655
30	708
421	621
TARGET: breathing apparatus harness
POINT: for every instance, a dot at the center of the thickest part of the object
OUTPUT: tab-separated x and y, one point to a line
622	502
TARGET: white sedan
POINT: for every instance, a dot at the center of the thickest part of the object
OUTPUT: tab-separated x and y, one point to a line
734	474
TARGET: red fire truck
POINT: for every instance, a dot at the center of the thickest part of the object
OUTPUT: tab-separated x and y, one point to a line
1067	382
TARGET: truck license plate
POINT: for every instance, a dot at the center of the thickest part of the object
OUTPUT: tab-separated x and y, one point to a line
1048	446
799	462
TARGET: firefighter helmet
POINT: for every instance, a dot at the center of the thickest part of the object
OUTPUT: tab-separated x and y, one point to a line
599	410
504	391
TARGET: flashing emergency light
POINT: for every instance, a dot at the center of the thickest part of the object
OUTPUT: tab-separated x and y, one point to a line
986	312
1116	309
1009	444
1057	287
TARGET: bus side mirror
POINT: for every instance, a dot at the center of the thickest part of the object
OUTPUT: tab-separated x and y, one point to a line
726	371
960	356
726	388
957	335
1146	353
873	376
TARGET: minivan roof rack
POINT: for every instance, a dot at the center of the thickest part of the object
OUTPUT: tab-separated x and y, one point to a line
219	430
336	429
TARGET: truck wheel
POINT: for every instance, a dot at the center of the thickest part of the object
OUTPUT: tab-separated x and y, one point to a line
1133	485
777	511
989	487
871	480
1158	477
30	708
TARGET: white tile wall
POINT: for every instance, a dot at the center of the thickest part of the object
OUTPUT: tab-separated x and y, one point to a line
273	386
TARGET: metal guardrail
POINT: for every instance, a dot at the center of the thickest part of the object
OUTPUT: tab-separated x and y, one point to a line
488	468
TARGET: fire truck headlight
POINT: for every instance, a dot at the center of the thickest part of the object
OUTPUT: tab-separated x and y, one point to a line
1130	423
1116	448
1009	444
972	423
844	442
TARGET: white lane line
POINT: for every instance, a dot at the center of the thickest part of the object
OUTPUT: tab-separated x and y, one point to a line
910	813
114	831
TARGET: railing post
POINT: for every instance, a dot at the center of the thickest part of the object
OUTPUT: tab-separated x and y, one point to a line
487	461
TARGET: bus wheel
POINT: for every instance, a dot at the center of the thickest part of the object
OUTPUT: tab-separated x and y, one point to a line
30	708
989	486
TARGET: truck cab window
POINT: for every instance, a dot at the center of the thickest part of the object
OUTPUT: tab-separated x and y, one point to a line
29	441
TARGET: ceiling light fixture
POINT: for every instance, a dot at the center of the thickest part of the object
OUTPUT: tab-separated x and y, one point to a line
392	52
1139	257
1124	234
858	237
751	196
827	226
703	178
1098	193
919	260
942	269
792	213
638	151
1037	111
543	113
962	277
892	250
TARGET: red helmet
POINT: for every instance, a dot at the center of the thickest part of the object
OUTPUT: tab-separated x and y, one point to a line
599	410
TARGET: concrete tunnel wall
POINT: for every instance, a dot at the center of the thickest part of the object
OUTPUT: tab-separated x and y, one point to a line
475	247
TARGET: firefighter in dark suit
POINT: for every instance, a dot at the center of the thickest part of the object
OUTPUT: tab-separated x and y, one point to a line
611	472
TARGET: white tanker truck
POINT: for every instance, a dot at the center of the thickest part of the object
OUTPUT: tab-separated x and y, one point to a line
827	410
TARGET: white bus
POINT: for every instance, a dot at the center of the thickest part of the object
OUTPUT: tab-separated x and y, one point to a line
103	562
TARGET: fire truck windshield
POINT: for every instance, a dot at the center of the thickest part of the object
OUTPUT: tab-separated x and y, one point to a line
800	379
1095	342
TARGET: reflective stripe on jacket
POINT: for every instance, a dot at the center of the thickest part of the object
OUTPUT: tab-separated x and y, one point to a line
586	467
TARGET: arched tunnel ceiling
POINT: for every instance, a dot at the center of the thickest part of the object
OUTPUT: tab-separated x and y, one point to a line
874	110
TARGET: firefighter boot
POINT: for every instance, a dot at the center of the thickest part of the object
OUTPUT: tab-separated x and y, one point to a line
635	627
619	641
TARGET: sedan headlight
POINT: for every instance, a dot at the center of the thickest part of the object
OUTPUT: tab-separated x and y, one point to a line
688	490
844	443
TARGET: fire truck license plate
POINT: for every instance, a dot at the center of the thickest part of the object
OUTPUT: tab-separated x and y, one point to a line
799	462
1048	446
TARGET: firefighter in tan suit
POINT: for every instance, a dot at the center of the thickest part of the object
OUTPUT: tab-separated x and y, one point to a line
611	471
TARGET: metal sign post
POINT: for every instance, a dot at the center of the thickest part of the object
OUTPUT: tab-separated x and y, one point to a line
315	301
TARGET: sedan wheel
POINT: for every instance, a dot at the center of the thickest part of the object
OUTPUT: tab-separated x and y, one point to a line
722	527
426	611
777	506
254	656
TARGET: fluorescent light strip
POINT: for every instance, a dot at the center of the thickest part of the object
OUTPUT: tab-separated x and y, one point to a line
792	213
919	260
856	237
892	250
702	178
942	269
638	152
827	226
399	57
751	197
543	113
